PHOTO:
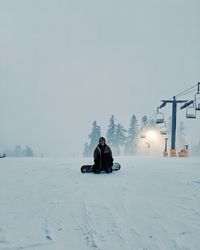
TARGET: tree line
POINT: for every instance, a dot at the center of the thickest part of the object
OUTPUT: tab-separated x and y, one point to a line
18	151
125	141
121	140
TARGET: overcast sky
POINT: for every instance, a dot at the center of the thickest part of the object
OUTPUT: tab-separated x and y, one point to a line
66	63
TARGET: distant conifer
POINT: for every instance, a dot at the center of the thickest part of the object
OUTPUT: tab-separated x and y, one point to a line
132	137
93	140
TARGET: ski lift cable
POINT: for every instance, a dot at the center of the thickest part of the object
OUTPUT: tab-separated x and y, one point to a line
189	92
179	109
183	92
186	90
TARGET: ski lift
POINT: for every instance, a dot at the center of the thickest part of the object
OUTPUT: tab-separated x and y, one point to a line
197	98
163	129
191	112
159	117
143	133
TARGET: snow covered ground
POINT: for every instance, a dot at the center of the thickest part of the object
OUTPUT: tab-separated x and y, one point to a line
150	204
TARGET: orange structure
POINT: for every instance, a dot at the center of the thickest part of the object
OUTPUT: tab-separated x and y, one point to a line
173	153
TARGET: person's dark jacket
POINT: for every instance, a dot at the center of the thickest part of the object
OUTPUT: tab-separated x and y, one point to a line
103	157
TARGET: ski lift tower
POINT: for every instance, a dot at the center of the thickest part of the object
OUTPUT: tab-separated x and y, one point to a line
174	103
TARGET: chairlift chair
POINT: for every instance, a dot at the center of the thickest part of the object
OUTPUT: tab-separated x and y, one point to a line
197	101
143	133
159	118
191	112
163	129
197	98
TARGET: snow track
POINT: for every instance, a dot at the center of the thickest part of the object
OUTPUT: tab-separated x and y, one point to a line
100	228
150	204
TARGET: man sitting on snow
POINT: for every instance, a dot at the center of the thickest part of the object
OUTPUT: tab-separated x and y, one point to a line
103	159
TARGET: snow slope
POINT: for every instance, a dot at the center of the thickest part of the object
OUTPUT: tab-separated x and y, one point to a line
150	204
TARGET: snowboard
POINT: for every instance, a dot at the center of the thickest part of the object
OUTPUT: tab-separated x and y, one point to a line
89	168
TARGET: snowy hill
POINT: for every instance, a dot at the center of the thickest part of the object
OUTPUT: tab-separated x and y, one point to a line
150	204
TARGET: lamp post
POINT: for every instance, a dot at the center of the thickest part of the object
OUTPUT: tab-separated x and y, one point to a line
165	153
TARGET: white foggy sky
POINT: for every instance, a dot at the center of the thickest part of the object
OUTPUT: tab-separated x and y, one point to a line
64	64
